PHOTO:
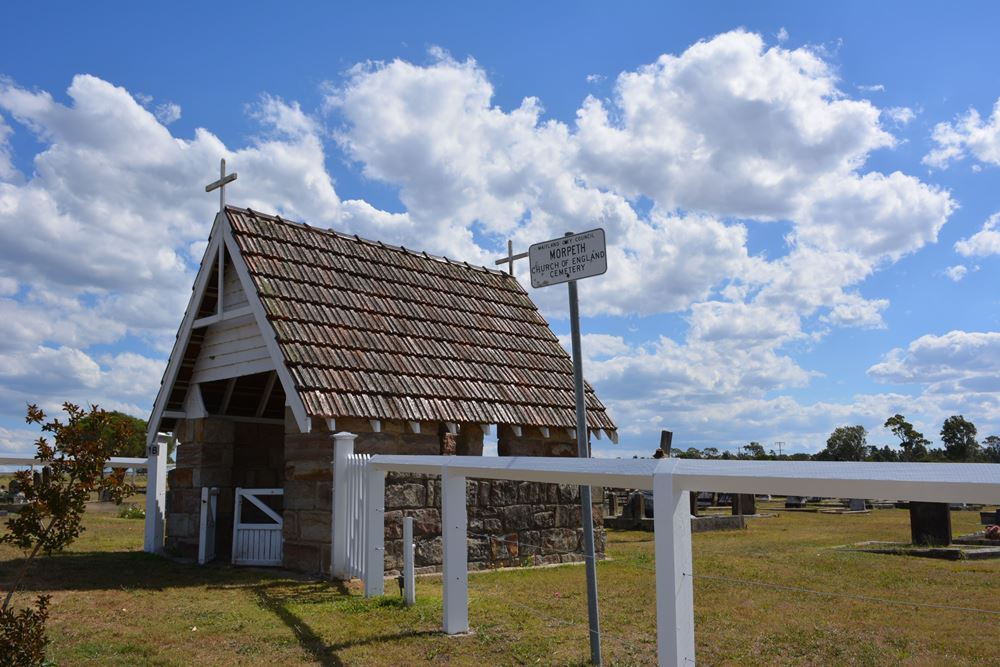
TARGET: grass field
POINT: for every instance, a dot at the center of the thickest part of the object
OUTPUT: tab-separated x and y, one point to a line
114	605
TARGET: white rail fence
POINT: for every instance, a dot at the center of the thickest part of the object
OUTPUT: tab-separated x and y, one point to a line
348	529
670	480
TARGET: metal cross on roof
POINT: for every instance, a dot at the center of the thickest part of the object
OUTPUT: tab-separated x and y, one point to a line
511	257
221	184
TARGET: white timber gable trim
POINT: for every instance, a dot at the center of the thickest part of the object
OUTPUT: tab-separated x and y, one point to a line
187	324
267	332
232	347
240	339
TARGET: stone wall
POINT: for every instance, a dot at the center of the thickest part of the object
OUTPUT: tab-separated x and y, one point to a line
224	454
510	523
532	442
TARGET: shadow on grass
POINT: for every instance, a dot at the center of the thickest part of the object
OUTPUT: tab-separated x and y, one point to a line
273	589
101	570
323	653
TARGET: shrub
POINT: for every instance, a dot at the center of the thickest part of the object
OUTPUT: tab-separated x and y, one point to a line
132	511
22	635
51	517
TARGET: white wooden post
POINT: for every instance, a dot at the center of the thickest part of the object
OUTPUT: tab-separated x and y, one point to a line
237	519
343	447
454	533
375	532
674	584
156	494
206	518
409	579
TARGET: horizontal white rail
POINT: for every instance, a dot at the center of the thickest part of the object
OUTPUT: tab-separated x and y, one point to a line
113	462
929	482
671	480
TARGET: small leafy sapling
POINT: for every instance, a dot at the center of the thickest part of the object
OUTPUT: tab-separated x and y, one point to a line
50	519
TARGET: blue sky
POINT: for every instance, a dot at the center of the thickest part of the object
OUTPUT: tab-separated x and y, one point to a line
798	196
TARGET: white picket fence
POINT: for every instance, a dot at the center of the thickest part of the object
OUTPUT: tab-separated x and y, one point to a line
348	532
356	480
671	480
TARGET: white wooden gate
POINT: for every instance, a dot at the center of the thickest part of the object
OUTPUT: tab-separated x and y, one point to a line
206	537
257	543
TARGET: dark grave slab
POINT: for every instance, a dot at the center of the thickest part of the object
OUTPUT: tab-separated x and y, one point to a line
744	504
930	524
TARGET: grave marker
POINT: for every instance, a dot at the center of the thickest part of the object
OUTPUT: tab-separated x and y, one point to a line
930	524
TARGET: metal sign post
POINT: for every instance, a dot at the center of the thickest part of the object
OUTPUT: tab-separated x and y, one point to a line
567	260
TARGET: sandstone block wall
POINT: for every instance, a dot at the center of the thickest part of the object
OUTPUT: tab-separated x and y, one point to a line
510	523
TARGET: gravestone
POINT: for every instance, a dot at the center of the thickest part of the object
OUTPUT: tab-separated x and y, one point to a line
856	505
14	488
930	524
693	499
636	506
744	504
794	502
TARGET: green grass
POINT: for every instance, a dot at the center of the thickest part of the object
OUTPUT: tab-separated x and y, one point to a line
114	605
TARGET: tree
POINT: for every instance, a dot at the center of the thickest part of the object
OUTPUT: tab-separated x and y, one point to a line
51	517
912	441
690	453
959	437
710	452
886	454
754	451
134	443
991	448
846	443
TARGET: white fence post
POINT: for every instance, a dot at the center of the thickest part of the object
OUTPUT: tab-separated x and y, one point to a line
343	448
156	494
674	584
409	578
454	533
375	532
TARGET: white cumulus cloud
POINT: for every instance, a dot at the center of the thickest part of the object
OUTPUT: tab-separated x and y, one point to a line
984	242
967	135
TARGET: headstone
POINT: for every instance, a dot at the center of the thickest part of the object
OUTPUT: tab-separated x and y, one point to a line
794	502
930	524
744	504
15	487
693	499
36	478
666	441
725	499
636	506
856	505
612	504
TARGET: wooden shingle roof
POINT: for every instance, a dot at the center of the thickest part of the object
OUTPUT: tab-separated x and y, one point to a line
380	332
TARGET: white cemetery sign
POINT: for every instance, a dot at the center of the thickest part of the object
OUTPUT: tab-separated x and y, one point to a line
568	258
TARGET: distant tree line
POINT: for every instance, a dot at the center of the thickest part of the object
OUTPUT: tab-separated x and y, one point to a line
850	443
